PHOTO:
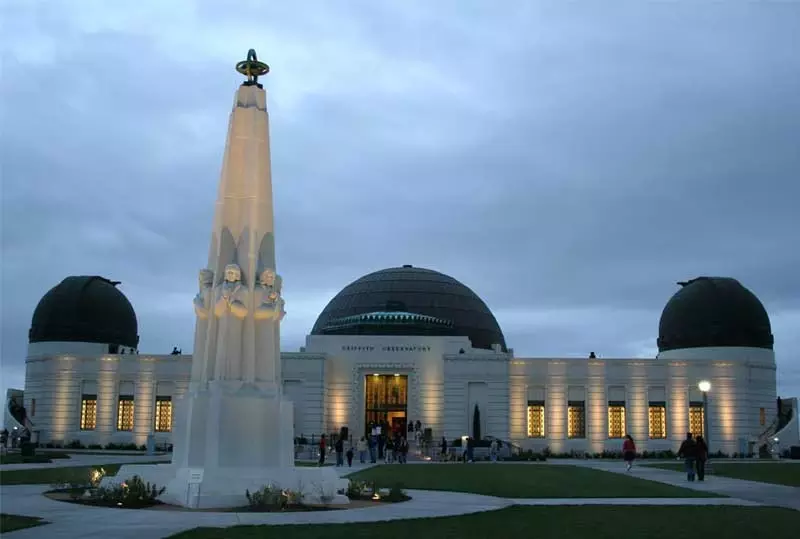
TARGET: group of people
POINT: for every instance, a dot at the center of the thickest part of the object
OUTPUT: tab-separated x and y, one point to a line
390	448
693	450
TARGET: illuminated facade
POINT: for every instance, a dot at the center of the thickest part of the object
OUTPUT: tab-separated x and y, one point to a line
358	370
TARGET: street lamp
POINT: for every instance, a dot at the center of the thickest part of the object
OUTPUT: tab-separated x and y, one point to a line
705	387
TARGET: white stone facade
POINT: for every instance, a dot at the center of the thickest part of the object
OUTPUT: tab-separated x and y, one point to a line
326	383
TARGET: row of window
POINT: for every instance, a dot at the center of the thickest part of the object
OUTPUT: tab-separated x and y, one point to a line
125	408
576	419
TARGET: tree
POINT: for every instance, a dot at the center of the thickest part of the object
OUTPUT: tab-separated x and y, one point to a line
476	423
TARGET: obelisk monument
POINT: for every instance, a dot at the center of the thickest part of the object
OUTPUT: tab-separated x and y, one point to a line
233	428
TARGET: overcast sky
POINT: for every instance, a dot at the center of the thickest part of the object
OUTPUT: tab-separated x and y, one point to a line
569	162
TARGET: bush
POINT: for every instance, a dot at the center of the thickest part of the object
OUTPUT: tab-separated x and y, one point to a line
272	498
356	489
94	446
75	444
122	447
132	493
396	493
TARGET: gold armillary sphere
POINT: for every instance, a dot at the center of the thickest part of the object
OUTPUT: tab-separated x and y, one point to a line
252	68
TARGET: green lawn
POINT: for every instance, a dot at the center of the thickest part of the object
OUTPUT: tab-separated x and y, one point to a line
522	481
48	476
10	523
589	522
16	458
767	472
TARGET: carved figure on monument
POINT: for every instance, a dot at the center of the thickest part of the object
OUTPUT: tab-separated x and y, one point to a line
202	301
230	307
268	296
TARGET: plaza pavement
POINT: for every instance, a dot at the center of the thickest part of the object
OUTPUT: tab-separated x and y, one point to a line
71	521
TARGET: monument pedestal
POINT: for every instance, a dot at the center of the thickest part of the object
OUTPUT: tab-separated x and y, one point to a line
235	437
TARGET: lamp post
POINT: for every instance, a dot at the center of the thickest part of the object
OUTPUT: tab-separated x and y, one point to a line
705	387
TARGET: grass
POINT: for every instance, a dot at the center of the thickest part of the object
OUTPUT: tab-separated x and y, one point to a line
766	472
64	474
49	476
577	522
10	523
16	458
522	481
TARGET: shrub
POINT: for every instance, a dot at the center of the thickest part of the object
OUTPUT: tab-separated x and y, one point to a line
268	497
396	493
75	444
356	489
94	446
132	493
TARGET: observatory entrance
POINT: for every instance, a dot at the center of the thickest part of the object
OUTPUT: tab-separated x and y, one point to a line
386	402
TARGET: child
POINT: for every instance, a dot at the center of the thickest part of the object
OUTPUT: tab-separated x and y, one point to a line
628	451
350	457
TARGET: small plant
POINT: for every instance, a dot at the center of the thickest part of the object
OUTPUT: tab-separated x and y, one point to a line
396	493
96	475
269	497
356	489
132	493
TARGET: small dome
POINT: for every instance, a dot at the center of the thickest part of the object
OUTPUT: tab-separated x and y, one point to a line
410	301
713	312
85	309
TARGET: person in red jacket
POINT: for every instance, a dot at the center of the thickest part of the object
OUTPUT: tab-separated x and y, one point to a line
628	451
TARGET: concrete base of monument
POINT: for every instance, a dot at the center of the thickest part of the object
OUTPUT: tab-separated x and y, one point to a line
220	488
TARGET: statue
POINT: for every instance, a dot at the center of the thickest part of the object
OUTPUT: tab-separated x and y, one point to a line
202	301
230	307
268	314
268	296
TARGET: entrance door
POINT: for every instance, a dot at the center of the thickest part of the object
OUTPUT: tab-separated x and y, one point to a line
386	402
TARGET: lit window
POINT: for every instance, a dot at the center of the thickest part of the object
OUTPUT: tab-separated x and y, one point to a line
88	412
163	414
762	415
535	419
576	419
616	419
696	418
658	420
125	413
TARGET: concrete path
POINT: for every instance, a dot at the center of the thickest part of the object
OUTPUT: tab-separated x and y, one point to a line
69	521
762	493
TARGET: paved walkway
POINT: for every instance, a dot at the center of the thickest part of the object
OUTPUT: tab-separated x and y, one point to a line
87	460
762	493
68	521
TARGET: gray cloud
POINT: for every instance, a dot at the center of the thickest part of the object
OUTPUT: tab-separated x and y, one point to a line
569	163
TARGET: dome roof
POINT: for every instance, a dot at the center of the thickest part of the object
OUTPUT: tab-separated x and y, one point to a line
713	312
410	301
85	309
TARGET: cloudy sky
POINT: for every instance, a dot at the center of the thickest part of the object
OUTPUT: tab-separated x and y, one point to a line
568	161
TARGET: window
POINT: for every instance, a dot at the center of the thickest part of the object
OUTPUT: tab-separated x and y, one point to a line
696	418
535	419
163	414
658	420
88	412
33	408
616	419
762	414
125	413
576	419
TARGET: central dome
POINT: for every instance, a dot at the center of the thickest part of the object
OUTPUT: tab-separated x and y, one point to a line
410	301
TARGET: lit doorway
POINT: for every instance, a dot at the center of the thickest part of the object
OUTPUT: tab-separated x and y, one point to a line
386	402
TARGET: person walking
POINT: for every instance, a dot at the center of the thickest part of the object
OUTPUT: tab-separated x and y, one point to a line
323	446
628	451
350	457
361	447
702	457
403	451
493	451
339	448
373	453
688	451
443	452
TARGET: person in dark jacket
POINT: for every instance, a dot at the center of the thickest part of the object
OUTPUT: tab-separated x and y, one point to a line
443	451
323	446
688	451
339	447
701	456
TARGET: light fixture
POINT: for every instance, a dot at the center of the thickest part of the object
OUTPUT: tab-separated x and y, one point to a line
704	386
396	374
376	375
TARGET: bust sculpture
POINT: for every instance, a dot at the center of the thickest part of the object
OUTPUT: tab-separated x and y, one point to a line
231	293
268	296
202	301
